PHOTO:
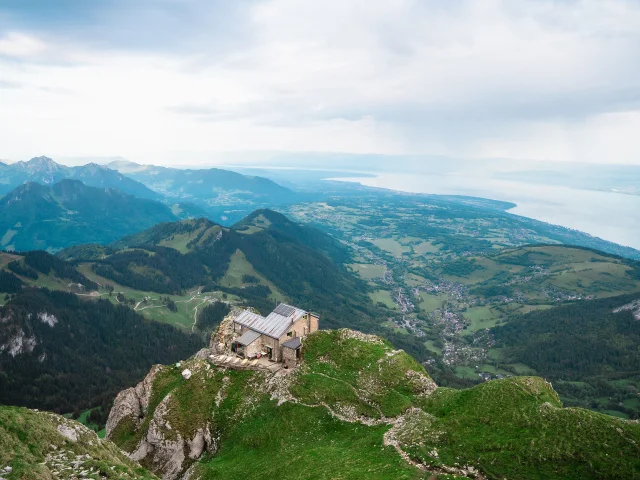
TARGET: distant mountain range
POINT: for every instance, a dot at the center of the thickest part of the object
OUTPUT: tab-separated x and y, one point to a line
221	195
45	171
51	217
227	195
199	183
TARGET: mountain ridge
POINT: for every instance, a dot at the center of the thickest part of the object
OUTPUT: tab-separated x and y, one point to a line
35	216
227	195
46	171
354	393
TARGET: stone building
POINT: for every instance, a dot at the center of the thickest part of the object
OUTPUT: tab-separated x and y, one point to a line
278	336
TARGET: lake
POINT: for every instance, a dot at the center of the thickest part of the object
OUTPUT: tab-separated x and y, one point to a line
608	215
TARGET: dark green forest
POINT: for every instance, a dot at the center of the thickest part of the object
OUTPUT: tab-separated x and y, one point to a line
304	263
83	358
46	263
212	315
9	283
588	351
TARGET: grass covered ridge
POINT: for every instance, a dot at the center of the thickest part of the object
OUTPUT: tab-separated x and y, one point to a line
357	408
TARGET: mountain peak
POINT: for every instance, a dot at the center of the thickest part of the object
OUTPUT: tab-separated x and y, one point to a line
95	165
264	217
41	158
43	161
41	169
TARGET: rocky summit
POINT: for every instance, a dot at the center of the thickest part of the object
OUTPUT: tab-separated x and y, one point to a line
355	407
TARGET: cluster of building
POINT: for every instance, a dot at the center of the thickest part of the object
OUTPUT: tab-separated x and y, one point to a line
403	301
277	337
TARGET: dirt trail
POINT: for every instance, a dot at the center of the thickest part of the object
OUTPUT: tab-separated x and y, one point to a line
195	314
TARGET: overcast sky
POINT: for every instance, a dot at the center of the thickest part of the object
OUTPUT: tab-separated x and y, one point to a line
170	80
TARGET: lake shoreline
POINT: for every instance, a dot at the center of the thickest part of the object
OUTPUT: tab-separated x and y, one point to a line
611	216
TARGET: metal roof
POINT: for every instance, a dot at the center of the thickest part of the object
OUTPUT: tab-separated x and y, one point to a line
275	324
284	310
294	343
248	337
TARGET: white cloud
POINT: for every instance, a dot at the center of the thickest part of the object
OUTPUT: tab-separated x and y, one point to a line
18	45
522	79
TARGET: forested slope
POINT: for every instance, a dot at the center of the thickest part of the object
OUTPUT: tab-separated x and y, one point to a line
589	349
61	352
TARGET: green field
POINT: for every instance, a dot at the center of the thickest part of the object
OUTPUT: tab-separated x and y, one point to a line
382	296
368	271
239	266
154	307
414	280
424	248
390	245
84	420
431	346
250	230
429	303
6	239
481	318
467	372
179	242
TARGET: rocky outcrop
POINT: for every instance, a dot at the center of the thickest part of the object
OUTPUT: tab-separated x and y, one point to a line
167	450
68	432
43	445
48	318
172	436
221	339
15	341
202	354
423	385
634	307
346	334
132	402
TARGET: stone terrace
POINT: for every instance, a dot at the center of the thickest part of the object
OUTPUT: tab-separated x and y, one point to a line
237	363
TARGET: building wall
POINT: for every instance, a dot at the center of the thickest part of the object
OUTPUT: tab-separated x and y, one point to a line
275	345
296	330
289	357
313	323
254	348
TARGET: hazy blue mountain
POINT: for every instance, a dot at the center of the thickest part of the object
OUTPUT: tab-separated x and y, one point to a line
228	196
51	217
45	171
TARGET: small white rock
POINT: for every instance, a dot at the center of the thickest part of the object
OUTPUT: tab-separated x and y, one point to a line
186	374
68	432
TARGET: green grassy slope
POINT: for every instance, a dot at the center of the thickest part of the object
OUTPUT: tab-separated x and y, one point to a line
516	428
356	408
290	262
534	271
52	217
32	446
